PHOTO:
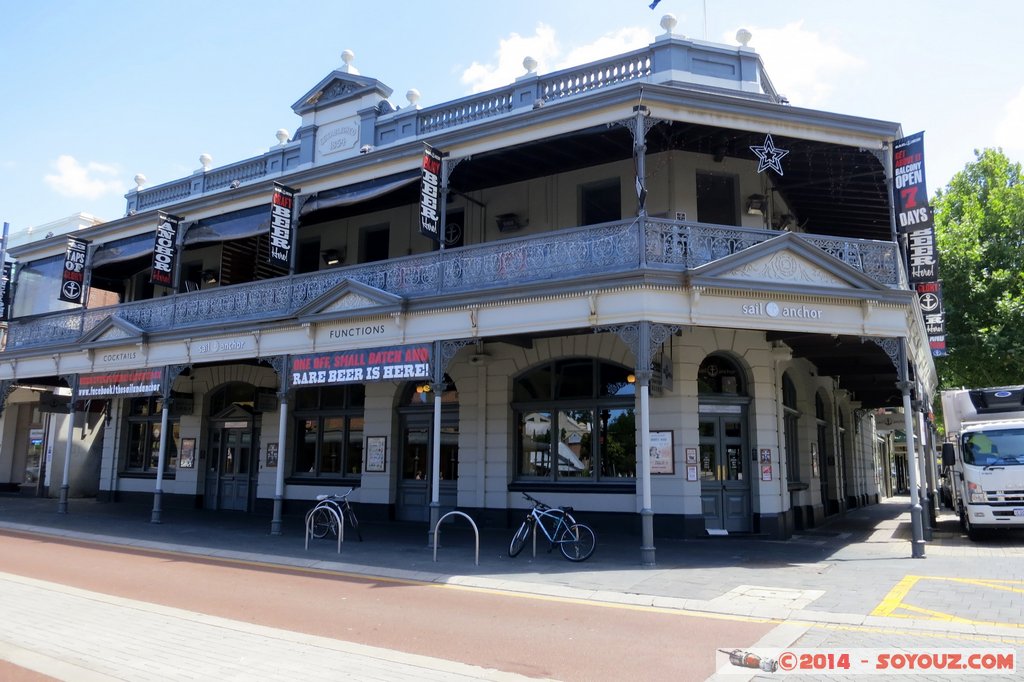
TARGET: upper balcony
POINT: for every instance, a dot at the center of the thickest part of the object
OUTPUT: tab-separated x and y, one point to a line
600	255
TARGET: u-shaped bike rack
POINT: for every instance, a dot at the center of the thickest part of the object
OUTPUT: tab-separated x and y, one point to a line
476	532
337	518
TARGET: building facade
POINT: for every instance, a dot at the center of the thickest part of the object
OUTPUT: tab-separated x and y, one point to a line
659	293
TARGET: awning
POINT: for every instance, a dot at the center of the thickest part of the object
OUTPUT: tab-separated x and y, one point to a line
247	222
361	191
123	249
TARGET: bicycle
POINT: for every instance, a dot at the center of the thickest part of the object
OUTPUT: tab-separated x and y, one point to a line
324	521
575	540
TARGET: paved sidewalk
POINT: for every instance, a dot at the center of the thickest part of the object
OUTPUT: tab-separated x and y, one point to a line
843	572
98	637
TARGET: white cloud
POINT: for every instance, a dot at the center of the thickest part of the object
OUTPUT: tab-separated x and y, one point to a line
545	48
1009	134
803	66
89	181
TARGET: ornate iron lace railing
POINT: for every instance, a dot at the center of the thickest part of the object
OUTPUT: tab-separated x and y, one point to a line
562	256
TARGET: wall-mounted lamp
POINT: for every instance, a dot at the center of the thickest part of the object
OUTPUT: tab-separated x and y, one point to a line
210	276
630	378
508	222
423	388
755	204
332	256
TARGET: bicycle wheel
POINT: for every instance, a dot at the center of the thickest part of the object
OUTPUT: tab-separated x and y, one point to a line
353	521
577	542
323	522
519	539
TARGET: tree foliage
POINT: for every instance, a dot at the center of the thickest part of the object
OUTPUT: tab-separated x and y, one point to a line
979	223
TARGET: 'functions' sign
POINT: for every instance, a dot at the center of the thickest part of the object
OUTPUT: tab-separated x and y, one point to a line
394	363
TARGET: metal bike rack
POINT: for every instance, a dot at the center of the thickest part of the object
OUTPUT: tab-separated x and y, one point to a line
437	532
309	524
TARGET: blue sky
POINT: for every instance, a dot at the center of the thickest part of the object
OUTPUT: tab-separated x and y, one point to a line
96	91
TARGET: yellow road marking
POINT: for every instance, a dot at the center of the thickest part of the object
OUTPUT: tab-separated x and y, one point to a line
895	597
894	600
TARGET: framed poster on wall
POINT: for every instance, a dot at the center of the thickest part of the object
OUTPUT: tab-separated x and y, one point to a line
187	455
376	453
661	453
271	455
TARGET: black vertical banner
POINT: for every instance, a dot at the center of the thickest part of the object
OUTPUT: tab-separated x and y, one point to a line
914	219
282	226
910	192
430	194
73	278
165	250
5	293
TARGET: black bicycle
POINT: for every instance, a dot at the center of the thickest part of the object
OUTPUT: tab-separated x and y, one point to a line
575	540
330	510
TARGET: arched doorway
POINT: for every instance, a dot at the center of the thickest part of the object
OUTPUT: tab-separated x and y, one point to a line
232	444
724	472
416	440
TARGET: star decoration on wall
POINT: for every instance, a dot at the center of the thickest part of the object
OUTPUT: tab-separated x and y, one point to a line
768	155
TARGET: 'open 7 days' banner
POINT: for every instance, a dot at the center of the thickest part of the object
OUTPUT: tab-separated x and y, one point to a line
393	363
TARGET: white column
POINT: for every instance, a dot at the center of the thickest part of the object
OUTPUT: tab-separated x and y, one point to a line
282	429
161	458
62	504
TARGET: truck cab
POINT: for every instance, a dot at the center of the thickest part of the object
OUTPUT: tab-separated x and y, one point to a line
983	457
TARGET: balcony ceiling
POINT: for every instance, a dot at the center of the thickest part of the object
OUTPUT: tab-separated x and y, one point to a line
833	190
861	366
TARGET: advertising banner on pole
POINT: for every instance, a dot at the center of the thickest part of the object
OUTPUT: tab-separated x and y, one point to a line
165	250
282	226
430	194
73	279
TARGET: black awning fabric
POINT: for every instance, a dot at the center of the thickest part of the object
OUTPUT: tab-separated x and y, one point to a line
362	191
235	225
123	249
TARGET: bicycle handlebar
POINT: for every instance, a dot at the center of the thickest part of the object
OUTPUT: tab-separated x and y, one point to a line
536	502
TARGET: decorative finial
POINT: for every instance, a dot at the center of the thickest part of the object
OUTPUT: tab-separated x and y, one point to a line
668	22
282	135
205	160
140	180
743	36
413	95
347	57
530	64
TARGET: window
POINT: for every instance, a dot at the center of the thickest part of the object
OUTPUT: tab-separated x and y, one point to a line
329	431
142	440
790	421
600	202
576	423
374	243
719	375
716	199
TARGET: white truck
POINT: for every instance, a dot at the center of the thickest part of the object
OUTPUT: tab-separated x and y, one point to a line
983	457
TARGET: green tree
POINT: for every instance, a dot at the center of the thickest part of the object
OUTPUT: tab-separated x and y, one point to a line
979	223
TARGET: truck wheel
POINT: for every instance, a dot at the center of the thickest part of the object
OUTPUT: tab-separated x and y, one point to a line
973	532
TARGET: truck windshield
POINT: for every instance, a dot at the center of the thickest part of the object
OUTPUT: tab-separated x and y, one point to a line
1002	447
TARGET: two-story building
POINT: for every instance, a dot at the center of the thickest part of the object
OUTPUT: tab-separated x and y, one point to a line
660	294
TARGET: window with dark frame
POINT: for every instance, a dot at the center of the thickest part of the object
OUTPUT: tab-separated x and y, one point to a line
717	201
790	421
600	202
141	442
374	243
575	422
329	432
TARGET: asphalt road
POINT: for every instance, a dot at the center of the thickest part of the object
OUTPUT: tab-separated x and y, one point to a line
525	634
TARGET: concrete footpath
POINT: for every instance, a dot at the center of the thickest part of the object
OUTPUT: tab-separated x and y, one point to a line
854	572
